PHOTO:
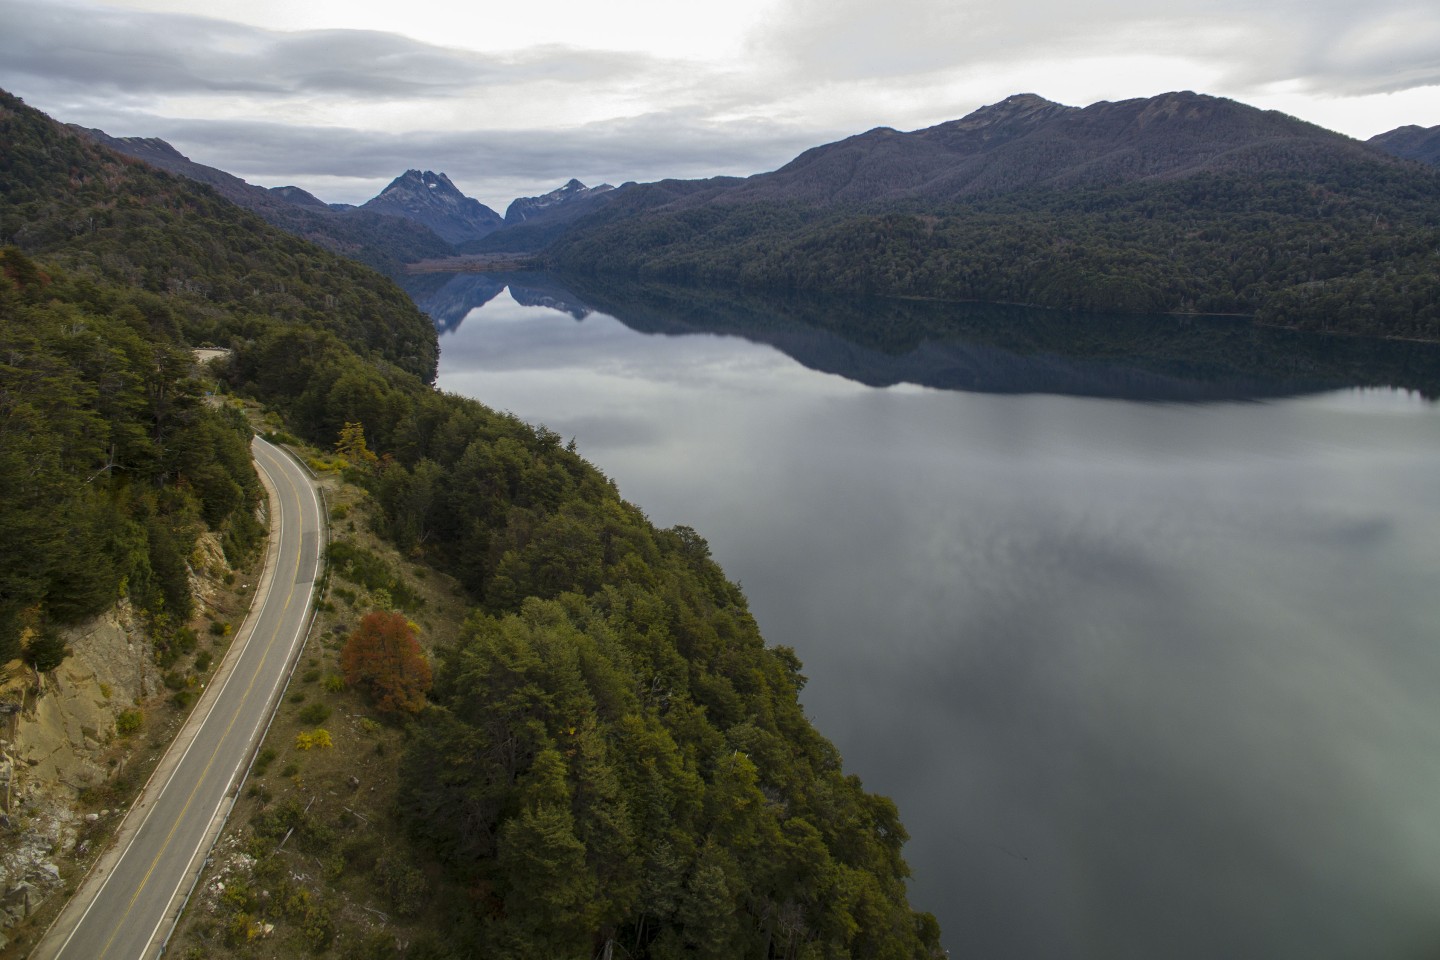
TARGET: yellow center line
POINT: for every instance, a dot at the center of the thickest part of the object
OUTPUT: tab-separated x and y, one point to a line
204	774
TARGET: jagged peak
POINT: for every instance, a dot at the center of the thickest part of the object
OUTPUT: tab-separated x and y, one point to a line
423	178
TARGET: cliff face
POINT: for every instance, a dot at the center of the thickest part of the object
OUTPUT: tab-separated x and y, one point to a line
57	739
62	750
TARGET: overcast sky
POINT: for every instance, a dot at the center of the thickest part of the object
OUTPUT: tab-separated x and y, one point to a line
512	99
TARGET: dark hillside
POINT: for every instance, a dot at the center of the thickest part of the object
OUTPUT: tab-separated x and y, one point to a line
1411	143
1181	203
111	463
119	221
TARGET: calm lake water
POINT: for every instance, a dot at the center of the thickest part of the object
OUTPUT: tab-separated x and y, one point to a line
1153	677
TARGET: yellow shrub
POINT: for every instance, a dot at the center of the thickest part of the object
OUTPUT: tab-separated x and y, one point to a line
313	739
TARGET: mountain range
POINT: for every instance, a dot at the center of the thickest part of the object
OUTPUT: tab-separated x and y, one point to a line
383	242
1176	203
420	215
1180	202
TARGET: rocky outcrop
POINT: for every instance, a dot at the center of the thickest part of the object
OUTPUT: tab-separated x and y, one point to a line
57	727
58	740
68	715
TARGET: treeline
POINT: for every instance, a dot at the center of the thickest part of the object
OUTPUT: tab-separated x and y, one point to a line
1349	250
111	463
614	761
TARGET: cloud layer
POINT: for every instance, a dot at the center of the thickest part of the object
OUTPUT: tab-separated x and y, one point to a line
342	111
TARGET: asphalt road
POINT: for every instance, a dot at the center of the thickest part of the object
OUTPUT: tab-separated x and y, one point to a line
127	904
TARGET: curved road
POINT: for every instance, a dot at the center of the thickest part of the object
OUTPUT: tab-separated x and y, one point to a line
128	903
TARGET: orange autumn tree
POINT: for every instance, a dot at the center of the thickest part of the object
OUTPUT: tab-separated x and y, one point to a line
383	657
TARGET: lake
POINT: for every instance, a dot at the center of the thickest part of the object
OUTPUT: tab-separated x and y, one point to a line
1137	620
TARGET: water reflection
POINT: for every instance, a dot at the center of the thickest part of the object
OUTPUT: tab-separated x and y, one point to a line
1145	679
986	348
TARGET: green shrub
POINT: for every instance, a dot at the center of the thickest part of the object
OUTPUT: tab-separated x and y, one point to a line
46	652
315	714
263	760
128	722
373	572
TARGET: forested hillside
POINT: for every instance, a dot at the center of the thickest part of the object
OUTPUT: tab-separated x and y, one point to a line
1411	142
1297	226
225	271
612	761
384	242
111	464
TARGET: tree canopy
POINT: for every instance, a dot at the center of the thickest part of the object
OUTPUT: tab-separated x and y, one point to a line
383	656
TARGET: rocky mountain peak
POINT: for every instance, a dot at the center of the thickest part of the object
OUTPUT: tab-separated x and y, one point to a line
432	199
527	208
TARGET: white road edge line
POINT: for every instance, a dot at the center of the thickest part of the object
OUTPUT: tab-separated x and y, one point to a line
278	519
280	678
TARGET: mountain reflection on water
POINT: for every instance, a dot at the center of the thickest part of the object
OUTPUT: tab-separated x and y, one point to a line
983	348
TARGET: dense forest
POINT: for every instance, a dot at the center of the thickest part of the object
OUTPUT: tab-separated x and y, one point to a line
111	464
612	761
1352	250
